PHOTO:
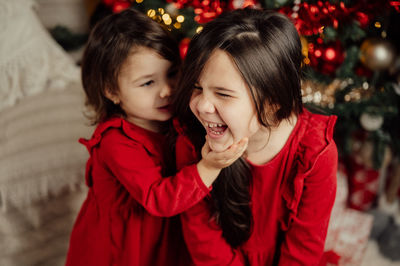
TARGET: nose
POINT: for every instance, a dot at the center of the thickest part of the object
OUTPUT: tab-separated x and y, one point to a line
165	91
204	105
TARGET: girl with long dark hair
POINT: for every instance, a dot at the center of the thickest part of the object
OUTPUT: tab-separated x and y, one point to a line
242	77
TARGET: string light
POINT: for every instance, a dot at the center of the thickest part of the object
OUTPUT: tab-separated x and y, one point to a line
199	29
151	13
167	19
177	25
180	18
161	16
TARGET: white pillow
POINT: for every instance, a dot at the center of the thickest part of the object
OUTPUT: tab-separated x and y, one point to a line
30	60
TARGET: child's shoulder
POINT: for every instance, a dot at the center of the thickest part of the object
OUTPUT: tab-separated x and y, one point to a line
316	137
317	128
112	131
119	134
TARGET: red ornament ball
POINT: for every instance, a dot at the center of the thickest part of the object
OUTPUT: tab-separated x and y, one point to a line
363	19
119	6
326	58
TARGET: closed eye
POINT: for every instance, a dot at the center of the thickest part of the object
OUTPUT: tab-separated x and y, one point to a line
196	87
223	95
148	83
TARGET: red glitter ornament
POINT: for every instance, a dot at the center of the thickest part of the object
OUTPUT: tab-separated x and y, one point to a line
396	5
326	58
205	10
363	19
311	18
119	6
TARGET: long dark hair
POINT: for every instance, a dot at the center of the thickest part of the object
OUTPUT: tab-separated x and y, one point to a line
266	49
109	44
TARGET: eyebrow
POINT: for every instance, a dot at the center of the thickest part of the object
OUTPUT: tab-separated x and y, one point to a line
197	84
224	89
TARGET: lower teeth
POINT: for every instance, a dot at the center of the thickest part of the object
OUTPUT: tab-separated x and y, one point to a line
216	132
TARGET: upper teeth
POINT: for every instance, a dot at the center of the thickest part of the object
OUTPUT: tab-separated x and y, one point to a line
213	124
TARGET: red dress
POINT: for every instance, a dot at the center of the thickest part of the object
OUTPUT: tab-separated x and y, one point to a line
120	222
291	199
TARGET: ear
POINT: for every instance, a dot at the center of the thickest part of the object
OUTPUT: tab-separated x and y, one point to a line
112	96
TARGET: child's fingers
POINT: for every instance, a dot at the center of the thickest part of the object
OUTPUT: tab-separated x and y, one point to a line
225	158
238	148
233	152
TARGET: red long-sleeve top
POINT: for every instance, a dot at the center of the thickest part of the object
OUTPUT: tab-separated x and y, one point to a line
291	200
120	222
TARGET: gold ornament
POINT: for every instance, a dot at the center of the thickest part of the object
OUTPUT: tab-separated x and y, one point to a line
377	54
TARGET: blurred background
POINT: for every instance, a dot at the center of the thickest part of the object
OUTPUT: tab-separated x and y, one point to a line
351	69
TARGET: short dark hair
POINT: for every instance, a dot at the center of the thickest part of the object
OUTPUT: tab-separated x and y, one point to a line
109	44
266	49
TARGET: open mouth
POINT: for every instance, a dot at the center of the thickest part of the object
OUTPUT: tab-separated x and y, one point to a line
215	129
165	108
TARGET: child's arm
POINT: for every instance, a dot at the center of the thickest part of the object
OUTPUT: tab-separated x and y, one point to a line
131	164
202	236
204	240
304	241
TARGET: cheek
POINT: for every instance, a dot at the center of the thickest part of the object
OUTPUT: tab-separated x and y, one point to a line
245	128
243	120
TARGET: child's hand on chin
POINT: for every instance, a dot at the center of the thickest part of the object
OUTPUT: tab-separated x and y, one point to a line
224	158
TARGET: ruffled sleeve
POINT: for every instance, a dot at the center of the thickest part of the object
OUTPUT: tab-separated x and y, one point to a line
309	193
204	240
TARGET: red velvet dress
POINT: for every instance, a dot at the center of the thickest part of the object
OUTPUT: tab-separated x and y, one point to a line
120	222
291	200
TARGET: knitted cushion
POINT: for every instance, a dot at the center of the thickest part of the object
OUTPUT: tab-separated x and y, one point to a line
39	149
